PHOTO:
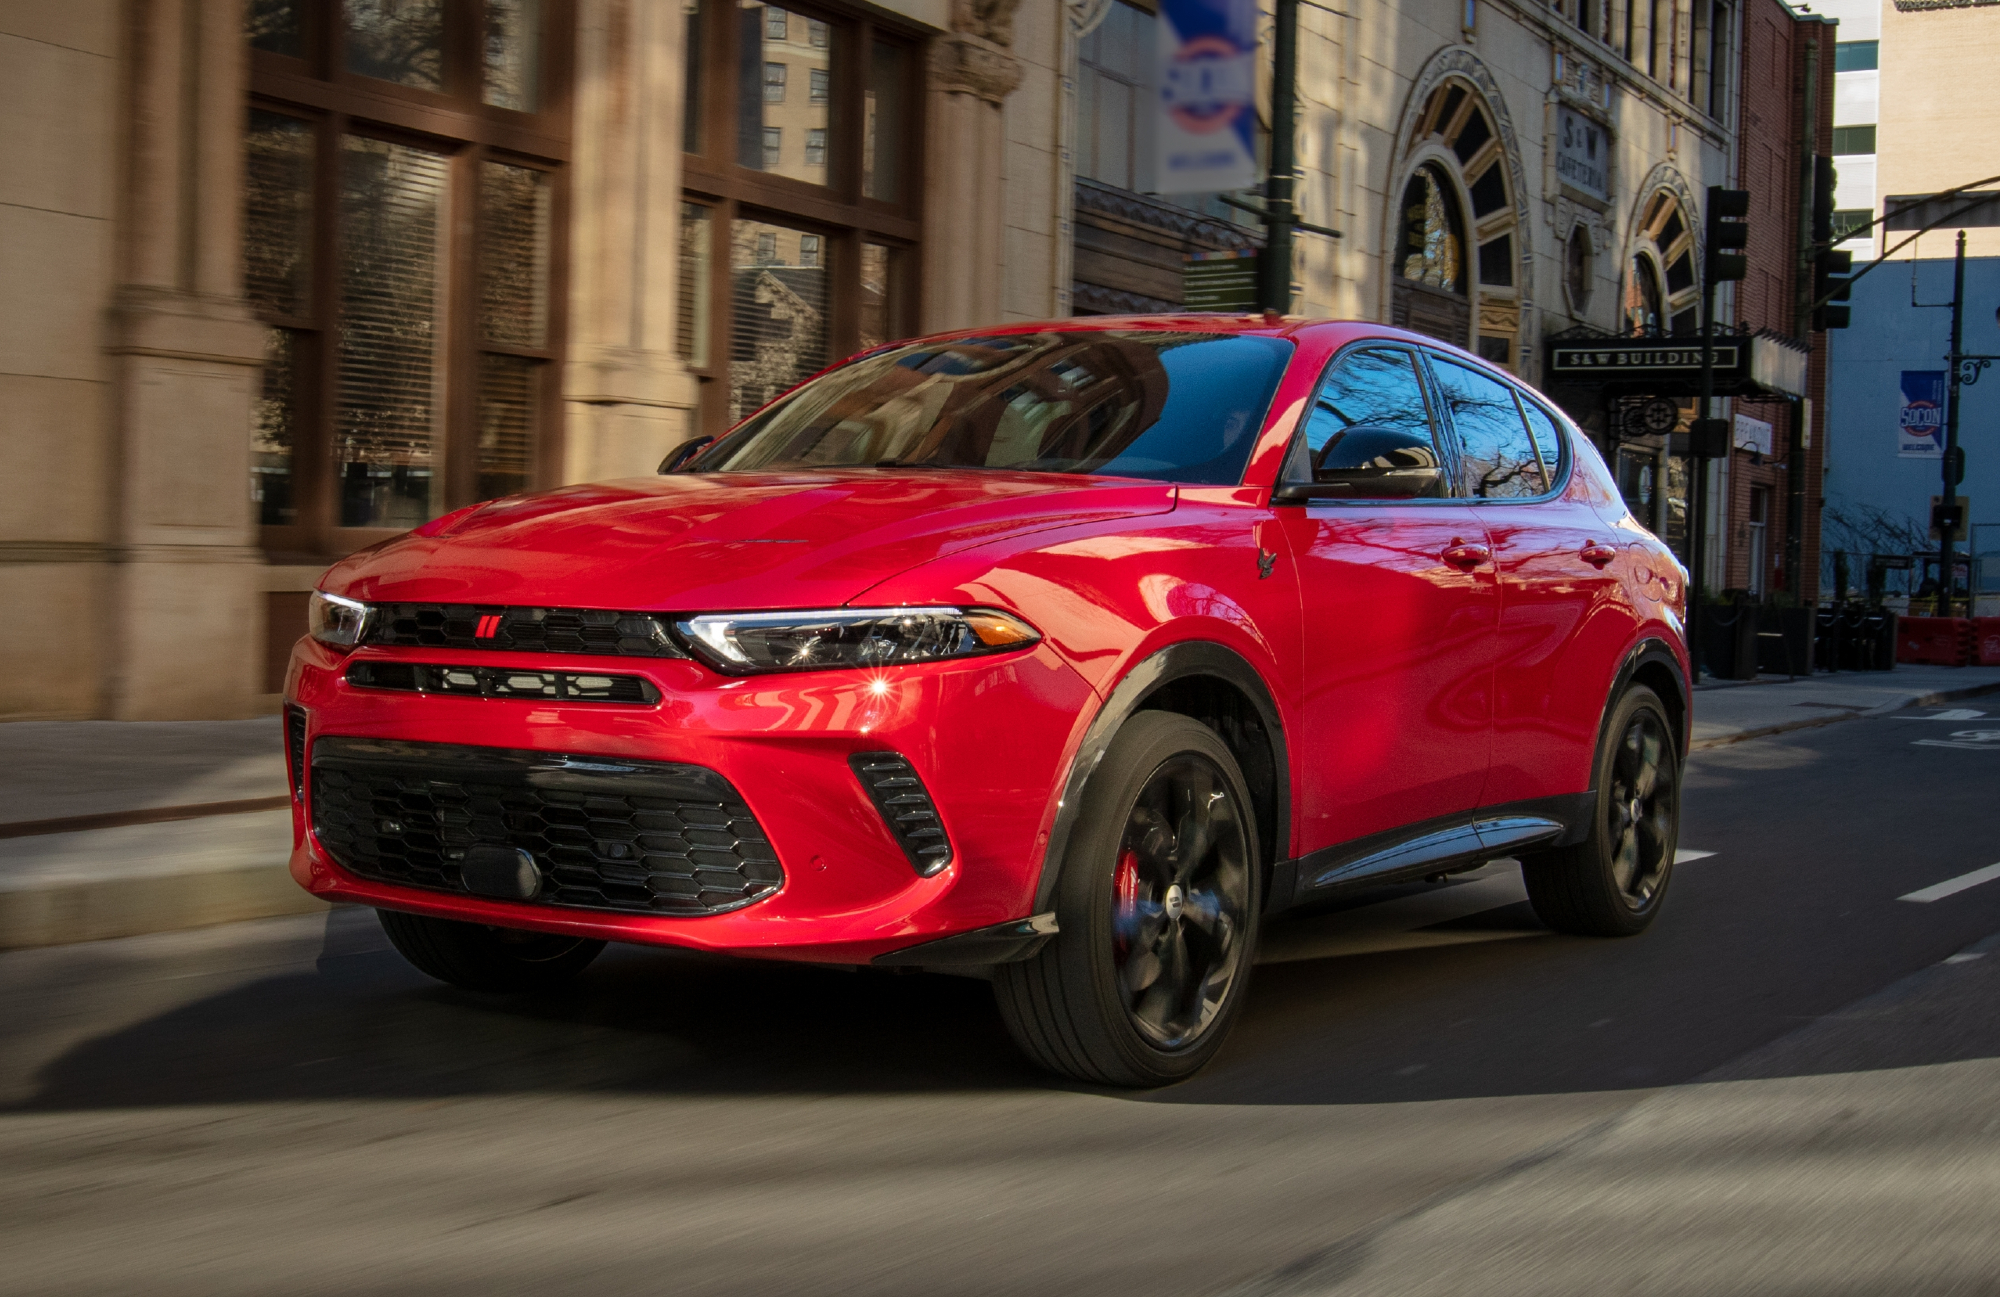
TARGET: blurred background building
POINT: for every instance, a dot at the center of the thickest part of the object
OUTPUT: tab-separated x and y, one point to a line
283	278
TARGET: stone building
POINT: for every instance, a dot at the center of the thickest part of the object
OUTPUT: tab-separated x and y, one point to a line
286	277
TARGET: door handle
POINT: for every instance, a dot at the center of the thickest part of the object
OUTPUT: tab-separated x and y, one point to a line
1464	556
1598	554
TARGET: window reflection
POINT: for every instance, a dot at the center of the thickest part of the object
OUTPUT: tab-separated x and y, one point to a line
692	317
513	49
1370	429
274	25
779	130
277	212
272	438
397	40
391	204
1496	459
778	309
881	143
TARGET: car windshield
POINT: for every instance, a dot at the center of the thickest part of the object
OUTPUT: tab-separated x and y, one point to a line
1171	406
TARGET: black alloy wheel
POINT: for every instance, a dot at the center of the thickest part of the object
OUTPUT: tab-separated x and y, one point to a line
1180	900
1612	883
1644	809
482	958
1157	907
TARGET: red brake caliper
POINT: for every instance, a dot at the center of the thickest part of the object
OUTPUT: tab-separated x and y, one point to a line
1124	898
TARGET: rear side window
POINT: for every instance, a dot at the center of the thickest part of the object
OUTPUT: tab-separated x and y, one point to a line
1370	430
1548	438
1497	460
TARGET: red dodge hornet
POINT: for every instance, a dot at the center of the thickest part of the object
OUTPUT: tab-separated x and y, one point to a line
1060	653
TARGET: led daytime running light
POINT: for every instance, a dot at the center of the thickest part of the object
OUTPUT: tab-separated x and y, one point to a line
333	620
843	638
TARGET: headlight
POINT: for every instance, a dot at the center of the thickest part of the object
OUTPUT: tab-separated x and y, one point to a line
752	642
337	621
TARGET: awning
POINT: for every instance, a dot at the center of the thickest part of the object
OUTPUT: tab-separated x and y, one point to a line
1762	364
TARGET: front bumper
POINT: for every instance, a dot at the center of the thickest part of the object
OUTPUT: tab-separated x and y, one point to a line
990	739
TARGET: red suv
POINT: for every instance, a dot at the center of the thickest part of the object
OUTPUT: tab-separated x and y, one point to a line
1064	653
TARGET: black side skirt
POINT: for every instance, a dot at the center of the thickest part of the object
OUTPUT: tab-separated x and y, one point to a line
1446	845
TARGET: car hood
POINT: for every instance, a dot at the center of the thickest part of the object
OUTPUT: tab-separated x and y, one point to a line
688	542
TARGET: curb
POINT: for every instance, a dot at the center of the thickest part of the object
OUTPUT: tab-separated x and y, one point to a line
1930	699
128	907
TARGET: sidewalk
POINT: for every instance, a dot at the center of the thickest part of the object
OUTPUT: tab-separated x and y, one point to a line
1731	711
111	829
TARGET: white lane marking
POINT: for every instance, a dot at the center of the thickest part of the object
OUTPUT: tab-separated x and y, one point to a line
1965	740
1965	957
1955	714
1682	857
1938	891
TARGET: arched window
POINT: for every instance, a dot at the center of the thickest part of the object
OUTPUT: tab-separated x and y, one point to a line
1433	250
1453	270
1662	293
1645	302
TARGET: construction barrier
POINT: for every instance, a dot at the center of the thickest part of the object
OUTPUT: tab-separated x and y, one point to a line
1986	641
1936	641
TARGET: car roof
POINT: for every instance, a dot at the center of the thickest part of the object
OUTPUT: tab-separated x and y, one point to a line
1328	333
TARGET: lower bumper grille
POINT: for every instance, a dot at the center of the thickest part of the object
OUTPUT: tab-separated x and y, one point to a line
605	833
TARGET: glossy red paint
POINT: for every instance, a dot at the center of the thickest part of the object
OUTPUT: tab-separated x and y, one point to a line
1408	685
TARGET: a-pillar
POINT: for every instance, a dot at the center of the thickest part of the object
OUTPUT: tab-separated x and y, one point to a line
627	398
183	617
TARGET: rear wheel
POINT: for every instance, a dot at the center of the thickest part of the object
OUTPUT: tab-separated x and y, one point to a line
1157	908
481	958
1611	884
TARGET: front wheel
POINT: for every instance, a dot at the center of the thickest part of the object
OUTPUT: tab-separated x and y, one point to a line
1611	884
1157	910
480	958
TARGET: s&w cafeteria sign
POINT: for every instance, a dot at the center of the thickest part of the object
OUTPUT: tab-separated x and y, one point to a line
1920	421
1208	94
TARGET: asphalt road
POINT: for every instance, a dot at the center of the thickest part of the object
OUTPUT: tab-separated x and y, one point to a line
283	1106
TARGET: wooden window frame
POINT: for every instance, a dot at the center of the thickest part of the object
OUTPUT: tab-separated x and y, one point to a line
317	88
839	212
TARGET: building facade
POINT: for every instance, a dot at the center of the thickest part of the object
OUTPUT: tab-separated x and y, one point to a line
286	277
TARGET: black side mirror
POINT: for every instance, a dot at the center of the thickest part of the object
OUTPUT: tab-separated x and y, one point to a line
1367	462
681	454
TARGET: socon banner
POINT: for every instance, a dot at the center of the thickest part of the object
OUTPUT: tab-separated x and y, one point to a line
1920	423
1208	95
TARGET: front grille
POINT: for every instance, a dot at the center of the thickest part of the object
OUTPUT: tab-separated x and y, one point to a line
503	682
606	833
906	807
524	630
295	747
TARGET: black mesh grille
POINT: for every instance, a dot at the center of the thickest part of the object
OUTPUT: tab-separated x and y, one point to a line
295	747
606	833
523	630
503	682
906	808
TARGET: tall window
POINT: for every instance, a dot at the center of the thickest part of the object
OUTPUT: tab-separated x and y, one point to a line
403	163
799	227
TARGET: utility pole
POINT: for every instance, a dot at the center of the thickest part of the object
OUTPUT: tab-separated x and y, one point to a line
1274	268
1728	237
1947	511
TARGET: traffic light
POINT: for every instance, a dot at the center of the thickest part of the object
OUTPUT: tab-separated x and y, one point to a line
1830	269
1728	234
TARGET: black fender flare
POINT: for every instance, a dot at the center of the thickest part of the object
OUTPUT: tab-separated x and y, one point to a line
1189	658
1647	652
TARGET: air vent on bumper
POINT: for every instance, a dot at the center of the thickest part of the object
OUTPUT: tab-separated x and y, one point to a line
906	807
504	682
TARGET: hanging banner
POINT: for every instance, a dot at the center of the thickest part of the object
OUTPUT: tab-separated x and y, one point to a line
1208	95
1920	422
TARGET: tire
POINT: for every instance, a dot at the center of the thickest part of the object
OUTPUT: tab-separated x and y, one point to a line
1151	960
480	958
1612	883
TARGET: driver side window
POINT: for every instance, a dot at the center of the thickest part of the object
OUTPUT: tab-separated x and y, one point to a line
1370	430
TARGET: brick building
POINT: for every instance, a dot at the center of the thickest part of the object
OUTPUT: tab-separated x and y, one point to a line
1769	533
